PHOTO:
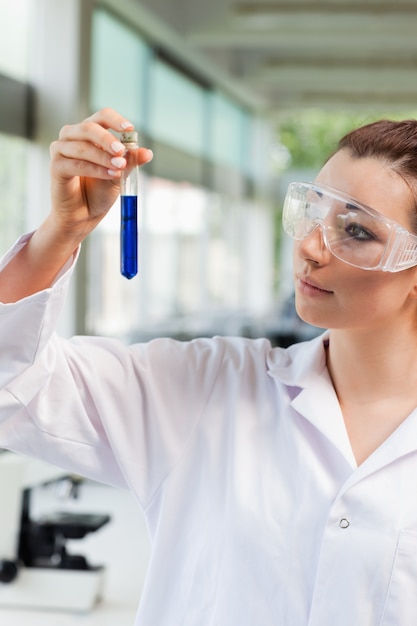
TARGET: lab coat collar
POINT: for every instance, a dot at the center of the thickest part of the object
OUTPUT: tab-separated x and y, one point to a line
402	442
300	364
303	367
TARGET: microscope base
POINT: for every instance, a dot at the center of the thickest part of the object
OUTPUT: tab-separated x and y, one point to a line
75	591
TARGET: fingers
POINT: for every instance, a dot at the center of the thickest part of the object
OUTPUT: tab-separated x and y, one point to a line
90	149
109	118
83	158
95	129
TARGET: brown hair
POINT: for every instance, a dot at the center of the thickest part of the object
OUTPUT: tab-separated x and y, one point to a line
392	142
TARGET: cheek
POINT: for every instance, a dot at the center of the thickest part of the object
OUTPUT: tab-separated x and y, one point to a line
363	283
374	293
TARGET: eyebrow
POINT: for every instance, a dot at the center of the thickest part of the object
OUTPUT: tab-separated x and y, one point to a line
353	207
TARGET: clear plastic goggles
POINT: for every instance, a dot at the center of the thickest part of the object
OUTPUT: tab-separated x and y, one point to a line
353	232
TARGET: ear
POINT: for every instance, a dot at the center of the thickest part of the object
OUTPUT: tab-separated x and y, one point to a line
413	290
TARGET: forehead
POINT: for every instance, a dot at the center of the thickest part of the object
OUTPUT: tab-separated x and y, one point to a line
371	182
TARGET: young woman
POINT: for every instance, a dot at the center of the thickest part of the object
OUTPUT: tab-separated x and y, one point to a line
278	485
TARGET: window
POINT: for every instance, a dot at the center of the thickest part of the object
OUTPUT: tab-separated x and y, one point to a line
119	65
229	132
178	109
13	168
192	210
15	19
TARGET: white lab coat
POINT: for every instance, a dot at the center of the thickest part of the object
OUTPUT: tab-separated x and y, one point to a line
238	455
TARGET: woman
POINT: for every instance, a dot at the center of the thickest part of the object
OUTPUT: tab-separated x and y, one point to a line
278	485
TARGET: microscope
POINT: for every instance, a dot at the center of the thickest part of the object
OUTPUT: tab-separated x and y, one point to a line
36	569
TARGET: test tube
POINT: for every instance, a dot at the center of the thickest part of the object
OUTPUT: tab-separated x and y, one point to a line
129	185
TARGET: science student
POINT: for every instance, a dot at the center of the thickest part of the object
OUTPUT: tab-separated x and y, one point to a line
278	484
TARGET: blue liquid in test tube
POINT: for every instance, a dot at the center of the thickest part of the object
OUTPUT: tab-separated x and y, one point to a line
129	236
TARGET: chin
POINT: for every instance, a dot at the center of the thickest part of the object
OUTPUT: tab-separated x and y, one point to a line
308	317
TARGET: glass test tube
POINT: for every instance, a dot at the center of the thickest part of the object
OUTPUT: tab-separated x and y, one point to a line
129	186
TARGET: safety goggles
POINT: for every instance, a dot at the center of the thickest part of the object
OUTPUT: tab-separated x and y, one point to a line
353	232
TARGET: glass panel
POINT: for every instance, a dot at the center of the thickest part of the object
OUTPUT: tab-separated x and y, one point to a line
118	73
178	109
175	225
230	125
262	142
15	20
13	171
224	262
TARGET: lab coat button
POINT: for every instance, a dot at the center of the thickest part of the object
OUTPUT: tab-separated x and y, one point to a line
344	523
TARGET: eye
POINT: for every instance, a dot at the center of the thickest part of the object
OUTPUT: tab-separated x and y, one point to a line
357	226
357	231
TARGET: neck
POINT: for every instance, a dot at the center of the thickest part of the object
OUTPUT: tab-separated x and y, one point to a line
374	375
362	364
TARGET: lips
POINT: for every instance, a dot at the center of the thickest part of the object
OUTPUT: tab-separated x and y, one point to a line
310	286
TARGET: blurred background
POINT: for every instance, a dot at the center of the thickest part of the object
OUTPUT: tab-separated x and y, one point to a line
236	99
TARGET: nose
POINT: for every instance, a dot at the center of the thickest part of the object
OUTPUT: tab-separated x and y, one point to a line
313	247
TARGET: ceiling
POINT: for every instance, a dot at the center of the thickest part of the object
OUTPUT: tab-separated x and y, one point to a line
293	54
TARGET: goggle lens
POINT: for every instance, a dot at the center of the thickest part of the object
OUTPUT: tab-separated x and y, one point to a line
355	234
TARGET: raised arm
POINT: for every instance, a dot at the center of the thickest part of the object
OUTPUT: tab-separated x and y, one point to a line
86	163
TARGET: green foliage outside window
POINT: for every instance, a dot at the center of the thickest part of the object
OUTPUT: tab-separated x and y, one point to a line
311	136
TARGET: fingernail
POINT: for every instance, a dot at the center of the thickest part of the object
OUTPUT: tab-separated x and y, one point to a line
150	154
117	146
125	125
118	162
113	172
